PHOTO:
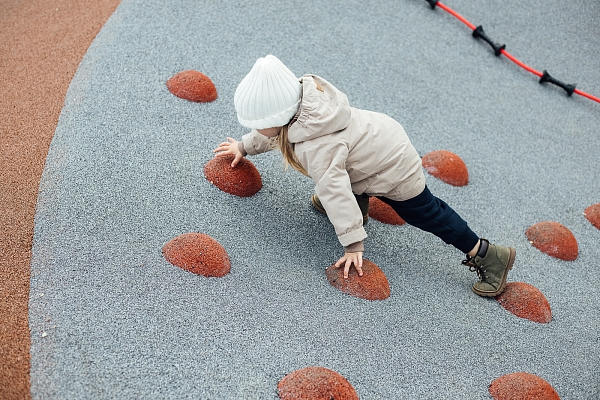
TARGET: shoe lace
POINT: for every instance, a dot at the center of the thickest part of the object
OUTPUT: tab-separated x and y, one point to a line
469	262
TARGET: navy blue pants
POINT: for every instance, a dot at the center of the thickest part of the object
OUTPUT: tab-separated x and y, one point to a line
431	214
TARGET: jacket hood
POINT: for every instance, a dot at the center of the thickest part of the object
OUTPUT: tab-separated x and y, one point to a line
323	110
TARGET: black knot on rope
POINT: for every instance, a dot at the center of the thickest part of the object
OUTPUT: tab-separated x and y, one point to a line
432	3
568	88
480	34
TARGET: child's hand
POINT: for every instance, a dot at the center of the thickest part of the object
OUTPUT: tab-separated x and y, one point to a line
230	147
350	259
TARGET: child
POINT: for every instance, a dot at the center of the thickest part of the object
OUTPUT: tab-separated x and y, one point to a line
352	154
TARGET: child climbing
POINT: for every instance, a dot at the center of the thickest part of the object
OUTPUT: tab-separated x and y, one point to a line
352	154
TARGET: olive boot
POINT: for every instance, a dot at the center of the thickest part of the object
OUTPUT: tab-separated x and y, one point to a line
492	264
362	200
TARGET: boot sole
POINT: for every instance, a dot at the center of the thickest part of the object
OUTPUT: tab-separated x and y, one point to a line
320	208
511	261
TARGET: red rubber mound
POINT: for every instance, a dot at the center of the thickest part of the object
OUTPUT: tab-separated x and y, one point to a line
383	212
525	301
592	213
193	86
447	167
198	253
554	239
243	180
315	383
522	386
373	285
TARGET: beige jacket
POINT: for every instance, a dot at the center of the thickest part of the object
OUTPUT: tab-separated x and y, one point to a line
346	150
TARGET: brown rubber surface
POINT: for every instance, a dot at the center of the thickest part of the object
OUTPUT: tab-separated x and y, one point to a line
41	45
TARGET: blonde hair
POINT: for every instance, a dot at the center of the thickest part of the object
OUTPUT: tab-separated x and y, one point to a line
287	151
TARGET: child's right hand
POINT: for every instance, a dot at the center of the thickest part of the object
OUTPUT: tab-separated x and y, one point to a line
230	147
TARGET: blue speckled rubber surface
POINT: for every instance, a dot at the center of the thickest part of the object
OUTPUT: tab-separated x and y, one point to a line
111	318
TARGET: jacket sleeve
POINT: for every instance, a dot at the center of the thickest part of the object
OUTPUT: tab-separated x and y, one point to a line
326	164
255	143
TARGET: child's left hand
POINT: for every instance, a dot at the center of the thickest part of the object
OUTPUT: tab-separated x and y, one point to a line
350	259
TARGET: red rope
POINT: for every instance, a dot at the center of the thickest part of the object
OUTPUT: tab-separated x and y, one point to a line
520	64
457	15
507	54
589	96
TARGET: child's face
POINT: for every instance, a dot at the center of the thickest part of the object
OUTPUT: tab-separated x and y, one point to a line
270	132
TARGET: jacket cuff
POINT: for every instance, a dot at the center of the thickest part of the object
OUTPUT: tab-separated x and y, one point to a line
255	143
354	236
247	145
355	247
242	149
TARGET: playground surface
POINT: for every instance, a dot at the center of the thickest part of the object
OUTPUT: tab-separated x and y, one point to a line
110	317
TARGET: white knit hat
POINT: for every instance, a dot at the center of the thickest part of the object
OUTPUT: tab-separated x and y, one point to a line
268	96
